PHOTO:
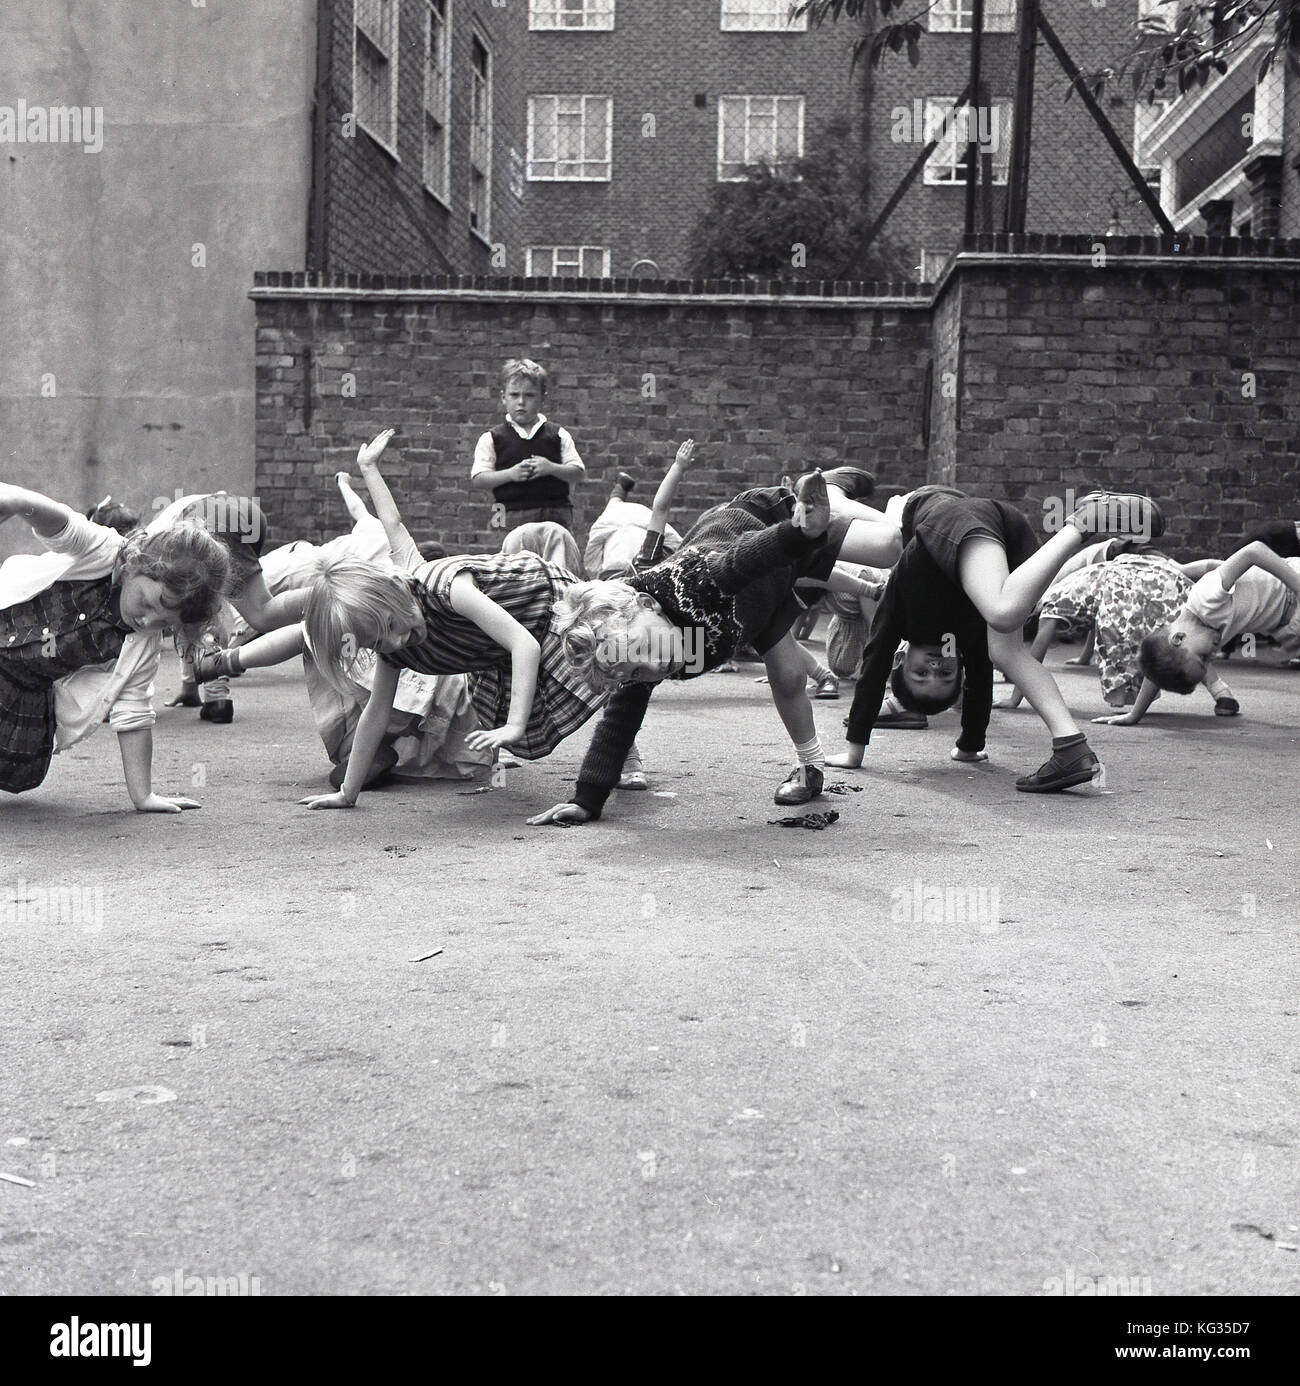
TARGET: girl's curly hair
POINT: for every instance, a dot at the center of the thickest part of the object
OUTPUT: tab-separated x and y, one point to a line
590	619
190	565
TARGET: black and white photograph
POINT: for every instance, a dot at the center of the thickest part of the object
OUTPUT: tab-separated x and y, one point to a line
650	648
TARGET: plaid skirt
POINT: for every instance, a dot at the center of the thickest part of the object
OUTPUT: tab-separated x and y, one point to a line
26	732
562	703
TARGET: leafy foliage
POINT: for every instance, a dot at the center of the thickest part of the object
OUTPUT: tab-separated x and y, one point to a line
1176	47
1180	44
817	203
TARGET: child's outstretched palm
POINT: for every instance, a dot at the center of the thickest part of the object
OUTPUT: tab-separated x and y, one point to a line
686	454
370	453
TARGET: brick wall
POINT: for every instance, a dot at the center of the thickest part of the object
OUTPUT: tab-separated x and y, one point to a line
763	388
379	215
661	56
1137	373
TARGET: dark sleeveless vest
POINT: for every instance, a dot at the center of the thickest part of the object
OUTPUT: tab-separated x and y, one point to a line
541	490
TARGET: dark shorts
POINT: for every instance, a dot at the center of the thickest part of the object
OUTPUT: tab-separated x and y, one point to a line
239	524
943	520
769	607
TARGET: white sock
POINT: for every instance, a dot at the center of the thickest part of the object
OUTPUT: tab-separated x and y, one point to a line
810	752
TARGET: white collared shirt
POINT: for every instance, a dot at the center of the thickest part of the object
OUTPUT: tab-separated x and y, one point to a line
485	455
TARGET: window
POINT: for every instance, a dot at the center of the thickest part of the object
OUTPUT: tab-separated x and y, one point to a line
374	71
932	265
754	129
437	96
580	261
990	125
570	14
480	137
958	16
761	14
569	138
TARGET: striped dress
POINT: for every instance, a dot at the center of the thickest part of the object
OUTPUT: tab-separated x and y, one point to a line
525	586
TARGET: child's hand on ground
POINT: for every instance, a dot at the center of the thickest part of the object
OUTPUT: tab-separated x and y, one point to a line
1125	719
326	801
1016	698
969	757
562	815
845	760
490	740
686	454
159	803
371	452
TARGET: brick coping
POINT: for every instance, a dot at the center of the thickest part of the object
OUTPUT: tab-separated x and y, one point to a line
978	250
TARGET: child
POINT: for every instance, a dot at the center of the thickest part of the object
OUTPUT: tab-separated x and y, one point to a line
1254	591
617	543
81	637
238	524
969	576
733	580
527	462
471	614
1121	600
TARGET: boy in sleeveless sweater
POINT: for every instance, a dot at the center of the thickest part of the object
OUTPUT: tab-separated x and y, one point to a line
527	462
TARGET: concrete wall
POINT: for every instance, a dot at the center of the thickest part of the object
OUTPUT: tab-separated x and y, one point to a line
206	139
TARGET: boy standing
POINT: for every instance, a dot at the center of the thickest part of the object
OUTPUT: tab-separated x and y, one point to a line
527	462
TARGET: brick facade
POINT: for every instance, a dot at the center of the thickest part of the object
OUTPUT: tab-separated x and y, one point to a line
1131	374
375	212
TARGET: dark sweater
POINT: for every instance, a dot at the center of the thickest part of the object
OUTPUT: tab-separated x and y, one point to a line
696	588
922	606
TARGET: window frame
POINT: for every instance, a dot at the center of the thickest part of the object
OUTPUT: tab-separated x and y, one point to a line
590	17
479	38
962	14
799	26
442	194
395	11
1006	108
530	156
532	251
748	98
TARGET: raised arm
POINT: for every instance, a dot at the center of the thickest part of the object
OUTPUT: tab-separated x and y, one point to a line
1258	555
46	516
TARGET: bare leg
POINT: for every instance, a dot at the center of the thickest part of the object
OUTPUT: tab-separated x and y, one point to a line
264	612
1047	629
876	543
1003	598
788	679
1008	651
1089	645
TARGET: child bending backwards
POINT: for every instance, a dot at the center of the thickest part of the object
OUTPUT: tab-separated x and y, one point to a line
1254	591
81	636
732	580
969	576
488	616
